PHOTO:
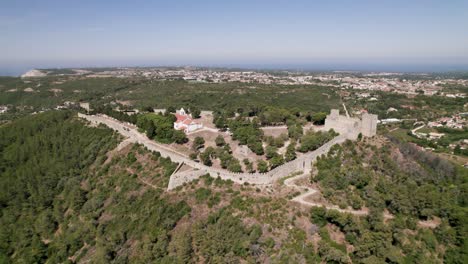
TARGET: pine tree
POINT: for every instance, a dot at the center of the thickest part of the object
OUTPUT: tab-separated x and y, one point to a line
151	130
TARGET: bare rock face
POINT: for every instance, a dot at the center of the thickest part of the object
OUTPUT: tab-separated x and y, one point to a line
33	73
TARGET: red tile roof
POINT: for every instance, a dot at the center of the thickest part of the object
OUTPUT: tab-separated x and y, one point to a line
181	118
184	119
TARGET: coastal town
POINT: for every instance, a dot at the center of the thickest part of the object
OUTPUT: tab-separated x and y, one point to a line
384	81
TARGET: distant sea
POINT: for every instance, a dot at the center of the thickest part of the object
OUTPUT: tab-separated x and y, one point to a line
417	68
17	70
14	71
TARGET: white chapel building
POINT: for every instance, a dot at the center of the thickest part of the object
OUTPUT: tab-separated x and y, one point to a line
185	122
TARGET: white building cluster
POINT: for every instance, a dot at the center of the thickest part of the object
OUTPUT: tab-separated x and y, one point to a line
458	121
386	81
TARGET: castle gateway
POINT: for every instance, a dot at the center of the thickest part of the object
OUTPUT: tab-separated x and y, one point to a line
350	126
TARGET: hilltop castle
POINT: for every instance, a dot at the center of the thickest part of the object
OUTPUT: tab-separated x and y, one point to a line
351	127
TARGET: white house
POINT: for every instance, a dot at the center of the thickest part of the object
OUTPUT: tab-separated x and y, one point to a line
185	122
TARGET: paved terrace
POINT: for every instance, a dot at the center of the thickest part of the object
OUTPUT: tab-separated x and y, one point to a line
302	163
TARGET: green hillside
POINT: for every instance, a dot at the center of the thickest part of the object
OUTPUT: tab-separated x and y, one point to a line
68	195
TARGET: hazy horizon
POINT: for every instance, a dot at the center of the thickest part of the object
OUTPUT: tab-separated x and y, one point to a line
311	35
426	68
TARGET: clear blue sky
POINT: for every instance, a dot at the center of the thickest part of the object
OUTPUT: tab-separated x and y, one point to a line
330	33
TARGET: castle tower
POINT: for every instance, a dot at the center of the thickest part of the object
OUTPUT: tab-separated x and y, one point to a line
369	125
332	120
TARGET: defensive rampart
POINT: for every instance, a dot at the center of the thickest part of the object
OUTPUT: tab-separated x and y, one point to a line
302	163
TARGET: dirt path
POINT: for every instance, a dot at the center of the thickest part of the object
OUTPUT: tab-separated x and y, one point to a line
416	129
346	110
147	183
291	182
307	191
203	129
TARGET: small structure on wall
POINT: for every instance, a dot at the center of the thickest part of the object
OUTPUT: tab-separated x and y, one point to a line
185	122
350	126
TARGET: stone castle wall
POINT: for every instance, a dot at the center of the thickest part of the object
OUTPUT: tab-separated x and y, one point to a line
181	178
302	163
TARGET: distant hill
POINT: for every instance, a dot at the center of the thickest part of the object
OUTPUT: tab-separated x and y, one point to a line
33	73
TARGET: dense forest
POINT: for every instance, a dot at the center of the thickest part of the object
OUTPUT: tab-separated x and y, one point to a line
64	200
160	128
410	183
43	157
420	107
69	195
48	92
